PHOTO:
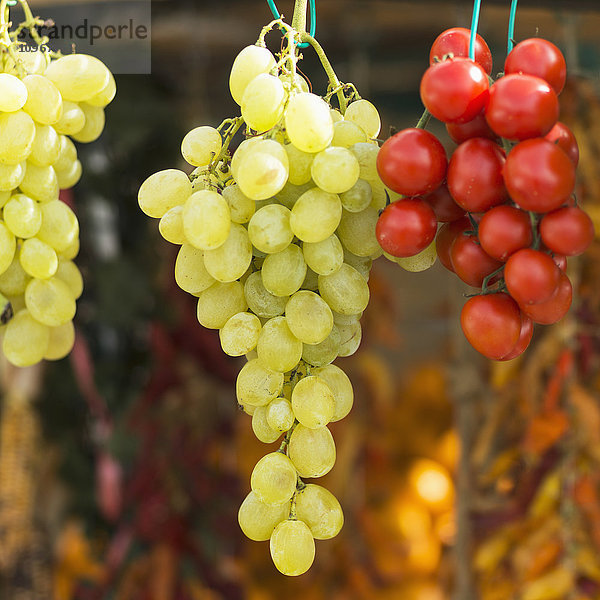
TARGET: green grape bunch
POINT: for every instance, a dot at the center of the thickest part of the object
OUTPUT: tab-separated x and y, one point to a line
46	101
277	241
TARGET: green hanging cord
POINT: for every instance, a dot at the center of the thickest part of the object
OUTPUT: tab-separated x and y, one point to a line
313	18
511	25
11	2
474	25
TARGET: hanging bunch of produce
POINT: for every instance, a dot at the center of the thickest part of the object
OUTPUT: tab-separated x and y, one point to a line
505	198
46	101
277	242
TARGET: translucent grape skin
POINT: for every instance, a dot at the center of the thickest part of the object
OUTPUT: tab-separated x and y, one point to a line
292	547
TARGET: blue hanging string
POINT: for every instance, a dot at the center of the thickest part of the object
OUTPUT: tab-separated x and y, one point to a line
313	18
11	2
511	25
474	25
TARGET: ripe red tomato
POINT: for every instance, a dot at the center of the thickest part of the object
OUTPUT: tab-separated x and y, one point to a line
541	58
455	90
538	175
406	227
567	230
503	230
524	338
469	260
456	41
561	261
556	307
477	127
475	175
445	238
444	207
564	138
531	276
412	162
521	107
492	324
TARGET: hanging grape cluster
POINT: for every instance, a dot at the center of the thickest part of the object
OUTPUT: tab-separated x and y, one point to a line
277	242
46	101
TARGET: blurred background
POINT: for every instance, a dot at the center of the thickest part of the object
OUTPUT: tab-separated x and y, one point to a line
123	466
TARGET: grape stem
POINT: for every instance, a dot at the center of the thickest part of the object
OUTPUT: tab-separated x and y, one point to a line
299	17
234	126
286	440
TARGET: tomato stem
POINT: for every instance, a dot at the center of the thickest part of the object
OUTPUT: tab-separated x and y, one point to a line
534	229
424	120
488	278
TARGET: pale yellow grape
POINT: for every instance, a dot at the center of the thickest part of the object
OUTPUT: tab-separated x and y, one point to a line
4	195
190	273
319	355
241	208
62	339
218	303
292	547
335	169
32	62
357	232
94	124
290	193
240	334
17	303
247	408
261	301
309	317
299	83
313	402
262	430
311	281
22	216
162	191
308	122
278	348
59	225
261	175
350	338
300	163
72	119
280	415
105	96
365	115
13	93
45	149
269	229
79	77
258	520
243	149
67	179
421	261
170	226
40	183
38	259
379	194
206	221
71	251
312	451
274	478
8	246
358	197
340	385
284	272
14	279
362	264
25	340
17	131
320	510
257	385
68	271
316	215
346	290
339	319
263	102
67	155
346	133
231	259
44	101
50	301
336	115
366	154
11	177
250	62
201	145
203	178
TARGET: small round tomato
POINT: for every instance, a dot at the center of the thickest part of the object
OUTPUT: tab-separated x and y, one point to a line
412	162
475	175
470	262
445	238
477	127
556	307
406	227
503	230
524	338
541	58
456	41
531	276
492	324
443	204
538	175
521	107
567	230
564	138
560	261
455	90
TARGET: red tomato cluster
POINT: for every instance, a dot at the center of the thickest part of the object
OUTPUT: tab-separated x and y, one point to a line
504	199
